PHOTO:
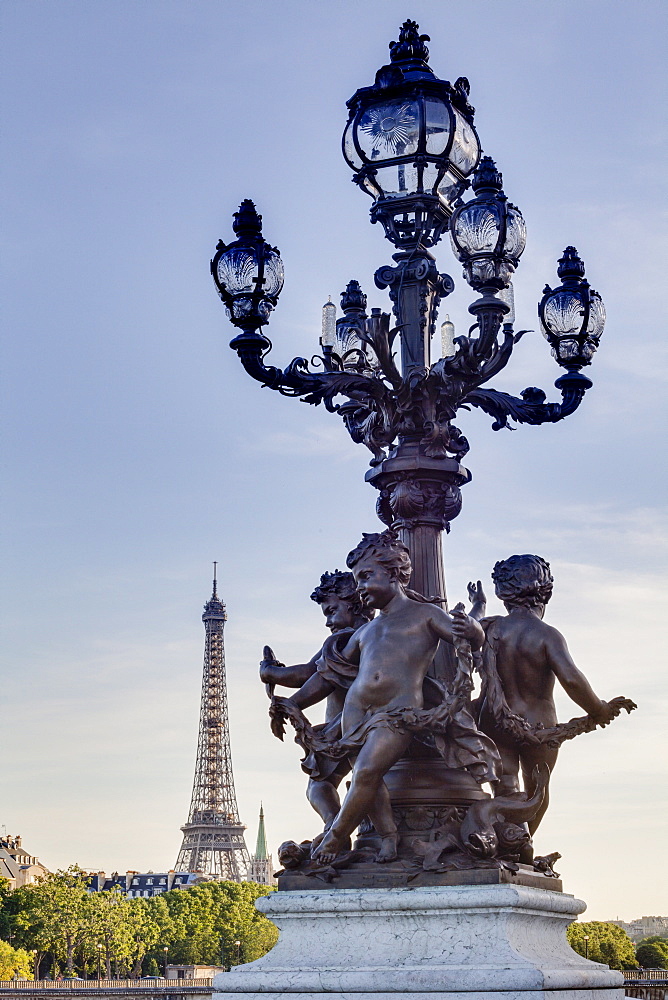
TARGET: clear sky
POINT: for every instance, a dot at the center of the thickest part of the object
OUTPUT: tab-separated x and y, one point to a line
137	451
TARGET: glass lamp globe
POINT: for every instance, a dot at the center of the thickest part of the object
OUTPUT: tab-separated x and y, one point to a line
572	316
411	141
248	273
488	234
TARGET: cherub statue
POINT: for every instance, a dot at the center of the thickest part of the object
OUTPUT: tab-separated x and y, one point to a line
393	651
521	658
325	676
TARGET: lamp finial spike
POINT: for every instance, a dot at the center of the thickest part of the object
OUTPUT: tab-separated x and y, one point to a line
411	44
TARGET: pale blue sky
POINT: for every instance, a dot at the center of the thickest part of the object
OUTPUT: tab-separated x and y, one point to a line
138	451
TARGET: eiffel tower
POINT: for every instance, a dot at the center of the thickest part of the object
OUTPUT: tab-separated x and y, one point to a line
213	837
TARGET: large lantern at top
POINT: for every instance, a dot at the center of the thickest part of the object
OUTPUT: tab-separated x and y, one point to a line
572	316
248	273
411	142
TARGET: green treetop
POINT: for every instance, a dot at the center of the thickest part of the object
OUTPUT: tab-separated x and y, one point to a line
606	943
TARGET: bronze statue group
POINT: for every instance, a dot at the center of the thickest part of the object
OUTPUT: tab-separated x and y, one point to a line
372	674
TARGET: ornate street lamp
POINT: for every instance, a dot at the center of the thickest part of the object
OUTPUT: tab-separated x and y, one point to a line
411	141
572	317
488	234
248	274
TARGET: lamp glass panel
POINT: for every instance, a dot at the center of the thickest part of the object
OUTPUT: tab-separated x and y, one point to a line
516	232
388	130
567	349
437	125
430	174
476	229
563	314
349	151
449	189
237	270
596	316
588	349
241	307
465	149
371	187
483	269
273	274
397	181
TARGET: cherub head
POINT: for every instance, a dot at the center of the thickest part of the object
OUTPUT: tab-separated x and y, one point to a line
340	602
523	582
382	567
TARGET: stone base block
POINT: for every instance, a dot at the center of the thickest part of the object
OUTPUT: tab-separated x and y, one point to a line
603	994
476	942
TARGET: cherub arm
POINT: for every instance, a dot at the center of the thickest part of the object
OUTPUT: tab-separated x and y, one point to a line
478	601
314	690
316	687
573	681
273	672
458	624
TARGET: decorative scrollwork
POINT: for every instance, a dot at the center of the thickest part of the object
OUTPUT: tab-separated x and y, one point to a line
381	406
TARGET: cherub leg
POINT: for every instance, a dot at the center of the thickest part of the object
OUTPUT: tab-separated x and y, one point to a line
383	821
382	749
324	797
529	757
509	782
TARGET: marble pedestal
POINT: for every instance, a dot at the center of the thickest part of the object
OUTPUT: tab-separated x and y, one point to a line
477	942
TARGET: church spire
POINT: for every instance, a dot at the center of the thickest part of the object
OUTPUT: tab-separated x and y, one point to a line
261	843
261	865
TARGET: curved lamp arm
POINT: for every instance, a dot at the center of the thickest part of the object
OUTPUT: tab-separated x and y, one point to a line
297	380
532	407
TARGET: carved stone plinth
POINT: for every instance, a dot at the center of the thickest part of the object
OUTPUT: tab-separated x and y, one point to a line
474	942
399	875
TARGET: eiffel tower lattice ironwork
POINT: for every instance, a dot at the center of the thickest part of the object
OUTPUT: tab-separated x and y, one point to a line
213	837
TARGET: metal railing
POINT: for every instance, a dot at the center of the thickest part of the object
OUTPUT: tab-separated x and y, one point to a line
645	975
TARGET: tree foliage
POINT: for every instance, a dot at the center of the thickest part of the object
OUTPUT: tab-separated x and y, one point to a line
652	953
71	929
54	914
607	943
14	962
208	919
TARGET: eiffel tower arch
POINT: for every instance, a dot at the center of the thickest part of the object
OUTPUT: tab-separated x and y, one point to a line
213	837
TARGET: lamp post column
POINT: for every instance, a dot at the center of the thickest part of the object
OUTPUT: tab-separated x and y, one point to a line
416	288
420	493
